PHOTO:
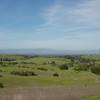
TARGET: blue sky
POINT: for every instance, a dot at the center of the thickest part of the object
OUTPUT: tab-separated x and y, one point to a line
54	24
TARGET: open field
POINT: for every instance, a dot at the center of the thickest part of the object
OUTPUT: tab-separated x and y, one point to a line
96	97
53	93
48	77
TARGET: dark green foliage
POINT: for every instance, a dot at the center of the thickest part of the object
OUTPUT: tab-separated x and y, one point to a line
70	64
1	76
27	63
82	67
14	63
44	63
63	67
84	60
43	69
7	59
4	65
24	73
56	75
1	85
53	62
72	60
1	70
73	57
96	69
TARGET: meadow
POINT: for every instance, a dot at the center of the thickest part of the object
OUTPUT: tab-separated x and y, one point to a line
69	77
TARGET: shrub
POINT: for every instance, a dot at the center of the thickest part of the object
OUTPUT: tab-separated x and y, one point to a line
14	63
1	76
95	69
43	69
1	85
1	70
70	64
24	73
53	62
4	65
27	63
81	67
44	63
64	67
22	66
56	75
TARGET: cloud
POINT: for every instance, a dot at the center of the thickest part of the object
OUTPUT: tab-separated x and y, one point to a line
81	42
62	19
88	12
79	25
64	26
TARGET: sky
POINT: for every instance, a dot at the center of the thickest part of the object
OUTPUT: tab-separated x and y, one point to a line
53	24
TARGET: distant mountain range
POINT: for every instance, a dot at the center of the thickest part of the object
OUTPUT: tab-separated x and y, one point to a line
48	51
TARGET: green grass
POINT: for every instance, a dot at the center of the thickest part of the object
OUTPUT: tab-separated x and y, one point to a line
66	78
45	78
97	97
41	60
11	56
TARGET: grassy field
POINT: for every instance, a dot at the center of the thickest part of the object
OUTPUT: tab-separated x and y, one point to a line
46	72
96	97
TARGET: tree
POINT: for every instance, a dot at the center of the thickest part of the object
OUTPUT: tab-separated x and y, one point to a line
82	67
64	67
96	69
1	85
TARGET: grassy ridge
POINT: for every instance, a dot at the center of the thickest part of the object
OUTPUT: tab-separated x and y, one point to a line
44	68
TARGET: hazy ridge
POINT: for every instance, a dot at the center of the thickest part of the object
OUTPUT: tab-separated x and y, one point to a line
47	51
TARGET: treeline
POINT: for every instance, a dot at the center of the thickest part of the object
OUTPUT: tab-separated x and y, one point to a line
7	59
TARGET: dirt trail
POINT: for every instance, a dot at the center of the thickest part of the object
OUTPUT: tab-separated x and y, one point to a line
61	93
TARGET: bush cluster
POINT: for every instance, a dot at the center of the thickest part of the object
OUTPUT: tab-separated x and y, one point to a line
43	69
44	63
53	63
96	69
24	73
81	67
1	75
63	67
56	75
1	70
1	85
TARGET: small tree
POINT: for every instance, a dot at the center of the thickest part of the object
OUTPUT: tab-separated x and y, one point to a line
53	62
81	67
64	67
42	69
1	75
23	73
1	70
96	69
56	75
1	85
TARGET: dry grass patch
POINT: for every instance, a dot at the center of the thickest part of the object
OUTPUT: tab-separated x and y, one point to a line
56	93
